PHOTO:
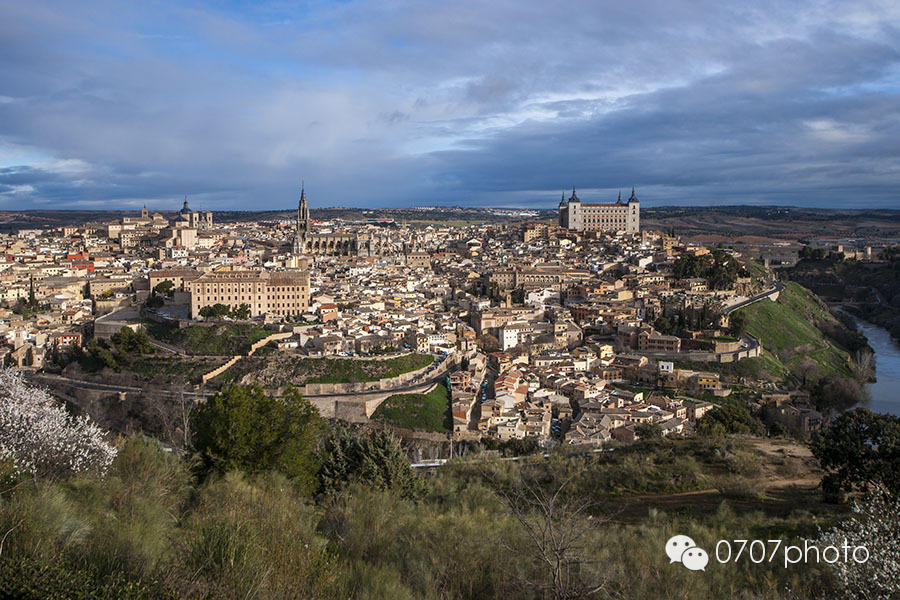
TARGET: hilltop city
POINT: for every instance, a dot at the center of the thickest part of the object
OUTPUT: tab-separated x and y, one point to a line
581	330
449	300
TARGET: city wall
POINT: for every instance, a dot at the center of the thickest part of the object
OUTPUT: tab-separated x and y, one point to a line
754	350
388	383
256	346
354	408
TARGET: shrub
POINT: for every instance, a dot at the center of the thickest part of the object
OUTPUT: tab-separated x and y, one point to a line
376	459
519	447
731	416
27	579
129	341
256	537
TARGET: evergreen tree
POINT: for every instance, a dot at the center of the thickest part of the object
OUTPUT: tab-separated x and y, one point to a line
242	428
375	459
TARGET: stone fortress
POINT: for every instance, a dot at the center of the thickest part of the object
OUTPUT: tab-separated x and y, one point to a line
576	215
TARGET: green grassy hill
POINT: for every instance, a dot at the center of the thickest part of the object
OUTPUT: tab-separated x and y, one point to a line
790	330
429	412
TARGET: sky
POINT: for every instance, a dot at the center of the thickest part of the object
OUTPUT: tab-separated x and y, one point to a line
387	103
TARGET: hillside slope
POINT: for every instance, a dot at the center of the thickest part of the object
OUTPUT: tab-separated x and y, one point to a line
797	326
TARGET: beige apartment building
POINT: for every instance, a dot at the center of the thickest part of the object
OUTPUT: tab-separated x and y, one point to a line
284	293
179	277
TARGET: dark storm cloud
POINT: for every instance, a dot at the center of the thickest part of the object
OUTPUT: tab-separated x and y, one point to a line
394	103
749	134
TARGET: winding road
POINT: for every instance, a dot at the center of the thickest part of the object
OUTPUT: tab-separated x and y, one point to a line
777	287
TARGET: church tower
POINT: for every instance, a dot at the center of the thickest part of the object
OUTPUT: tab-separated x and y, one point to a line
301	236
633	216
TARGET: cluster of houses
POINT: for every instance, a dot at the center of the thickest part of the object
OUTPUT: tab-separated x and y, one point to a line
561	325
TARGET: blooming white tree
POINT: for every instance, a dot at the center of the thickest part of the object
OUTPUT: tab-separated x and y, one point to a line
874	524
41	438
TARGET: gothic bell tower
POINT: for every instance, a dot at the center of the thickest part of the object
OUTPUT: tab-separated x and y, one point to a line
301	236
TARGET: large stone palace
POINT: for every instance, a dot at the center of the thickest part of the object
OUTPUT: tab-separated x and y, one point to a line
284	293
336	244
576	215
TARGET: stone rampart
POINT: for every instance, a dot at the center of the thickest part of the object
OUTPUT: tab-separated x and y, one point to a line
256	346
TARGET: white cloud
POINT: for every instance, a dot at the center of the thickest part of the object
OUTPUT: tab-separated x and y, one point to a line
829	130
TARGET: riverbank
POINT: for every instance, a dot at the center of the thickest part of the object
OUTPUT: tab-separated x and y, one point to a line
884	392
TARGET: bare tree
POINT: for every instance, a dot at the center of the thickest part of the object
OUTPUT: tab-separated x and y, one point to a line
172	418
557	524
186	407
864	364
807	370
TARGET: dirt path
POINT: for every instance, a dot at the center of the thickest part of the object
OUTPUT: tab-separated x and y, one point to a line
786	463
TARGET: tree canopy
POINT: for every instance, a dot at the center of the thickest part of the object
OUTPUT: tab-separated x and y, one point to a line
810	253
242	428
648	431
730	417
163	287
132	342
737	322
860	450
41	438
217	311
719	268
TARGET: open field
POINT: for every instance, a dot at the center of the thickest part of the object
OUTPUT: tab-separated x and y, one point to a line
754	225
428	412
773	476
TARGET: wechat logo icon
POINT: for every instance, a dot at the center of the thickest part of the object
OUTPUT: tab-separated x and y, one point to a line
681	548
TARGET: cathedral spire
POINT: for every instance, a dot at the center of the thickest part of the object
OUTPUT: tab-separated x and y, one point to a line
303	211
302	232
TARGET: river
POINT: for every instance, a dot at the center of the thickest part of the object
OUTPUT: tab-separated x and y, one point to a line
884	395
